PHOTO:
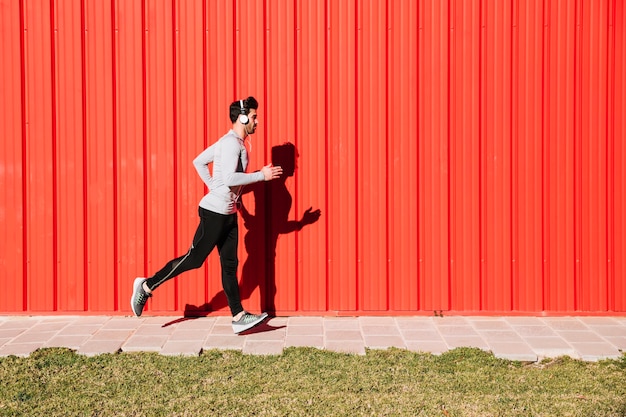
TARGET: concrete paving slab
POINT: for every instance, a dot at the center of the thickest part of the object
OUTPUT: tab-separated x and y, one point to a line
115	334
11	333
376	321
610	330
341	323
99	347
182	335
523	321
182	348
79	329
380	330
19	349
154	329
593	351
415	323
579	336
122	323
515	338
34	336
488	325
4	341
261	334
223	342
305	321
466	341
314	329
542	330
618	341
564	323
436	347
223	329
451	321
383	342
418	335
201	323
344	335
551	346
513	351
18	322
500	336
147	343
263	347
48	326
600	320
69	341
316	341
345	346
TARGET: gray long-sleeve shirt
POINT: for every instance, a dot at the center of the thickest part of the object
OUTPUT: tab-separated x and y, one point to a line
230	160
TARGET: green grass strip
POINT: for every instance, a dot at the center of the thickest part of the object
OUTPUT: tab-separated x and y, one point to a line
308	382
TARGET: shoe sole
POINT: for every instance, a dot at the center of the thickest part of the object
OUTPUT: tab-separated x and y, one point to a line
136	284
252	325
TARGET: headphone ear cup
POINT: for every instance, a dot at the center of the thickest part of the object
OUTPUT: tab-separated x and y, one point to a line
243	117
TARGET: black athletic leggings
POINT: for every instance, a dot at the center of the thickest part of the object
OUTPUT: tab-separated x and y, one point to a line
214	230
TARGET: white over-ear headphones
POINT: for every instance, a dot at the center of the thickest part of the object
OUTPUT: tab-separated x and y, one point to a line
243	117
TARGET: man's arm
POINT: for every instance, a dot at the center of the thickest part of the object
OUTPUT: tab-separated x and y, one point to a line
202	162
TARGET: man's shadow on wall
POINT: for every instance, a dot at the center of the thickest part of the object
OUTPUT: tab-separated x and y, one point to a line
269	220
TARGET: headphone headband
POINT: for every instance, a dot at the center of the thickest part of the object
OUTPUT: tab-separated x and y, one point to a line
243	117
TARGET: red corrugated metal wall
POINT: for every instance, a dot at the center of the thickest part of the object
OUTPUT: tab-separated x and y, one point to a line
467	156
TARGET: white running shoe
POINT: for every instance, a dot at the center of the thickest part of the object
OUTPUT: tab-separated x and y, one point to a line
248	321
139	297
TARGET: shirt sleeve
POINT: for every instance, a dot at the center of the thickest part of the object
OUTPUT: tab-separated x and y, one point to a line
231	161
202	162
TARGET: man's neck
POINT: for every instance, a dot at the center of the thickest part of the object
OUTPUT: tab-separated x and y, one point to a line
240	130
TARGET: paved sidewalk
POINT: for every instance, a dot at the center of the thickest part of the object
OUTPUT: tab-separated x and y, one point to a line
515	338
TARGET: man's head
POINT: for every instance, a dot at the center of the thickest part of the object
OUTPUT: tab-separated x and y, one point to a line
243	114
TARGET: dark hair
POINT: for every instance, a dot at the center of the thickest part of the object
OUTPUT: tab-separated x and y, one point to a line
235	107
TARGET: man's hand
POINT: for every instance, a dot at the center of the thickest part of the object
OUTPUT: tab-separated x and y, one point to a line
271	172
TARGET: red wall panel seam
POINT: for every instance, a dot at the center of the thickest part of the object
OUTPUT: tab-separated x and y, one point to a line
144	87
513	258
544	245
25	225
610	139
205	108
358	246
327	144
419	277
85	225
451	29
235	44
270	266
175	187
296	143
114	120
577	155
481	158
54	162
386	160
